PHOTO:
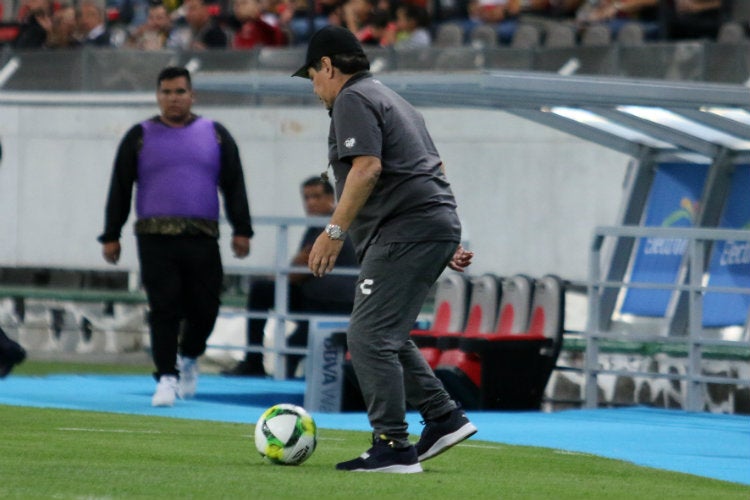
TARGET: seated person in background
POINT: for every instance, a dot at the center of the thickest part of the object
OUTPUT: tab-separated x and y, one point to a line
501	14
379	31
302	16
330	294
63	32
412	27
35	17
695	19
202	31
557	9
546	13
91	24
356	14
154	33
251	30
495	11
616	13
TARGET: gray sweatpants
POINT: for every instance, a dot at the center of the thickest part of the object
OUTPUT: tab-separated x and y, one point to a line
393	283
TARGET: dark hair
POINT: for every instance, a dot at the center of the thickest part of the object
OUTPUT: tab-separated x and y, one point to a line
380	18
416	13
172	72
347	63
317	180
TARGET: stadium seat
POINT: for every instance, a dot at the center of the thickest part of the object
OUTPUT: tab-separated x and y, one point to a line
631	34
515	366
526	36
483	36
515	304
547	312
731	32
451	303
460	371
596	35
560	35
448	35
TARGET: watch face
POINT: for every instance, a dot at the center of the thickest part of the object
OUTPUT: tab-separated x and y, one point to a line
334	232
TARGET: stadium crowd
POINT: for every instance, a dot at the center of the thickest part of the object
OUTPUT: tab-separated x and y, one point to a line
248	24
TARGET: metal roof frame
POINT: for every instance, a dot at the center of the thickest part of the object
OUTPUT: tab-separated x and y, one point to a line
534	96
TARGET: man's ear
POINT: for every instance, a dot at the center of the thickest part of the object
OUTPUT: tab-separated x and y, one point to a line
327	66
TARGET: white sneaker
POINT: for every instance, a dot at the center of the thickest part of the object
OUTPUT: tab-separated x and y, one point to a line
166	391
188	376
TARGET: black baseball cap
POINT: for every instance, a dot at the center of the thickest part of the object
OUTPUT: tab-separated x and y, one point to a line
329	41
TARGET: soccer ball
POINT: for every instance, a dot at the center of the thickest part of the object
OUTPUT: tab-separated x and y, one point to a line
286	434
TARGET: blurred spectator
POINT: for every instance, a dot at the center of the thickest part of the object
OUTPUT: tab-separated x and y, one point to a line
356	14
544	13
449	10
154	33
202	31
692	19
251	30
283	11
172	6
63	32
302	23
555	9
380	30
616	13
500	14
35	18
412	27
91	24
132	12
495	11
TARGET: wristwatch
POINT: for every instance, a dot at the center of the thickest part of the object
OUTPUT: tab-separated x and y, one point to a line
335	233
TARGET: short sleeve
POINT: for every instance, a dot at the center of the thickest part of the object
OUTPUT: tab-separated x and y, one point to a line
358	126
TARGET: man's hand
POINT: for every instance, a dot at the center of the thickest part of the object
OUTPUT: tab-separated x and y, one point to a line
111	251
240	246
323	255
461	259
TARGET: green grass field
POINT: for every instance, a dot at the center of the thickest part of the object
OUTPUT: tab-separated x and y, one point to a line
49	453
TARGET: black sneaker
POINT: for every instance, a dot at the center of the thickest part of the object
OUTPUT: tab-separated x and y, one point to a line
439	435
383	457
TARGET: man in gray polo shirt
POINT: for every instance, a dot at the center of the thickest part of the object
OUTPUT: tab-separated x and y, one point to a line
395	203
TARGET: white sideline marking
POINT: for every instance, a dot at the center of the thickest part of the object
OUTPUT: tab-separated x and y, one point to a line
481	446
121	431
566	452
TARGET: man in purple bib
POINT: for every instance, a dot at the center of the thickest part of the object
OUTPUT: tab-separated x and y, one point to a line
180	162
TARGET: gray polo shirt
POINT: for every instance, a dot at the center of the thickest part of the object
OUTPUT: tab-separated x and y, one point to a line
412	200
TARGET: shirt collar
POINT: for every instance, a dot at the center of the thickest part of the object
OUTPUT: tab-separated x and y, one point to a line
361	75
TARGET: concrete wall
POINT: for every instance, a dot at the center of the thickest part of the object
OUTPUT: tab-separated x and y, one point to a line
529	196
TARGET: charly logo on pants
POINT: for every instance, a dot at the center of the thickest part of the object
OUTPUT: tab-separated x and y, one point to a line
366	286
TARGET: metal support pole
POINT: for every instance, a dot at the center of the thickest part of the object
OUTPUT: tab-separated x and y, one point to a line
281	296
591	363
695	319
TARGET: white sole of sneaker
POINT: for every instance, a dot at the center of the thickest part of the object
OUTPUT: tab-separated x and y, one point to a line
394	469
448	441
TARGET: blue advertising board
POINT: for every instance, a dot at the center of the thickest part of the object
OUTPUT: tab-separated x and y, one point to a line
730	260
672	202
